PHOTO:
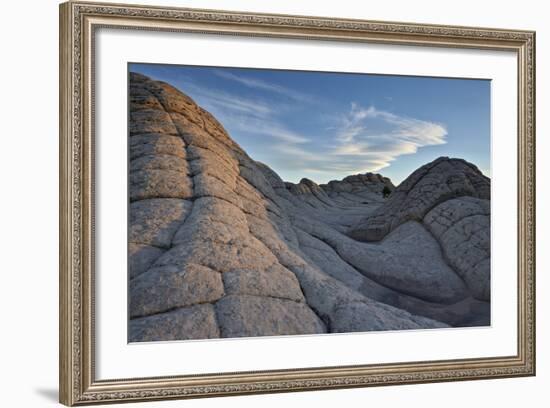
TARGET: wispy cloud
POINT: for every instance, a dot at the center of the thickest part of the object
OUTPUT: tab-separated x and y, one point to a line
267	126
217	99
245	114
259	84
363	139
367	139
380	136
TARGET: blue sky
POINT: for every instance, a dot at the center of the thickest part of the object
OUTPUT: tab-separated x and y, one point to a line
325	126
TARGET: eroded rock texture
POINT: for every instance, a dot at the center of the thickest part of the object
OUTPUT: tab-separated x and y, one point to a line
427	187
220	246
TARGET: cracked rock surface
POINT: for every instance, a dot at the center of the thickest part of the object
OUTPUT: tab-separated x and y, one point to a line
220	246
429	186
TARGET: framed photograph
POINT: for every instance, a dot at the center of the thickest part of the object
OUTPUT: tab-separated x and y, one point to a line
256	203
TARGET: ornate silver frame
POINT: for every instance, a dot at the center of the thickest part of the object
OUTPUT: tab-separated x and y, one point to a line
78	22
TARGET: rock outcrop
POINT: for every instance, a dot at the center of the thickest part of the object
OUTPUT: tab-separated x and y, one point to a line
430	185
358	184
463	228
220	246
451	197
352	197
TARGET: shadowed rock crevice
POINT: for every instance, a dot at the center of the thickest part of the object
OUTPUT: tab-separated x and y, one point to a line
220	246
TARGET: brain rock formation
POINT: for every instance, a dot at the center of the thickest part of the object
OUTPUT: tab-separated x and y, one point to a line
220	246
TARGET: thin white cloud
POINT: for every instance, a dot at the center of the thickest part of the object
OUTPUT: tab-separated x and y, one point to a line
364	140
380	136
367	140
250	115
330	166
268	126
266	86
215	98
293	152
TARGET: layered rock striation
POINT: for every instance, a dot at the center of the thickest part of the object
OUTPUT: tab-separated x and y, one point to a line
220	246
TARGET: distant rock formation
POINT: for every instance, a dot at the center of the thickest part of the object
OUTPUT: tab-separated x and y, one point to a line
357	183
451	197
220	246
424	189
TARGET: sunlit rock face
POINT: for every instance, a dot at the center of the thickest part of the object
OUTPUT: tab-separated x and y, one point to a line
220	246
